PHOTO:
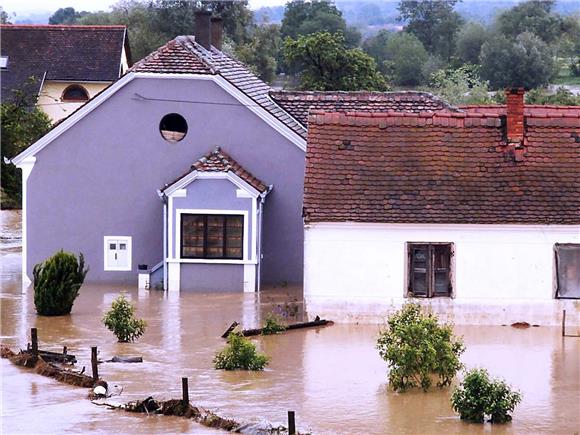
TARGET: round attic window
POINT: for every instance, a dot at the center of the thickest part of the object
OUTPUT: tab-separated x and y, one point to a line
173	127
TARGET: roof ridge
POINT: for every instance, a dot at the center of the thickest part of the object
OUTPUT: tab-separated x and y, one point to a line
394	118
360	95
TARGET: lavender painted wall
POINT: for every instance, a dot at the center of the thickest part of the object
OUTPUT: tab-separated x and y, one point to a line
100	177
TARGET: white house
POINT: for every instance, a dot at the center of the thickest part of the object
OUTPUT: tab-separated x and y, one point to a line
474	213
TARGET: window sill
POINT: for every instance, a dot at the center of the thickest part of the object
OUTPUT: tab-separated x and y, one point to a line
208	261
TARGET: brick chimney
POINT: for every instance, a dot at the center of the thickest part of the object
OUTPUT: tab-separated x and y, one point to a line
515	114
515	123
217	32
202	28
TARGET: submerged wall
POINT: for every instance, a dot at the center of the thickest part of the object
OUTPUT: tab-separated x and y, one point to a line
499	274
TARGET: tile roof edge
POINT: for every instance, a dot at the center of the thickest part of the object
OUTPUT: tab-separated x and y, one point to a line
389	118
325	95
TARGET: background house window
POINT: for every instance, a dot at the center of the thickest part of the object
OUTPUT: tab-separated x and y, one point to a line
75	93
212	236
3	62
117	253
567	270
429	269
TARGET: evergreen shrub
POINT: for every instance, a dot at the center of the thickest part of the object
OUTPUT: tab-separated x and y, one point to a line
417	348
57	281
239	354
120	319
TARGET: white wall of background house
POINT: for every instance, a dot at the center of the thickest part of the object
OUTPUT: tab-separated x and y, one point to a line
493	267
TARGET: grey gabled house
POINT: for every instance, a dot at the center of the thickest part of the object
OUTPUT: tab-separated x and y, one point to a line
188	166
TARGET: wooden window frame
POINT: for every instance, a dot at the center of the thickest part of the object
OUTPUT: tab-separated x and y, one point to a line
430	293
75	100
205	217
557	246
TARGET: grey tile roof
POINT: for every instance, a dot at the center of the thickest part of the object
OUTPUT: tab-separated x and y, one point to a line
61	52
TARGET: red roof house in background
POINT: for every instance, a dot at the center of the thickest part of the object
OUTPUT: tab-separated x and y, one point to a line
69	64
479	206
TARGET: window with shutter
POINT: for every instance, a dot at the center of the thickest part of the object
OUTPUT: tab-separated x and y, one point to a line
430	269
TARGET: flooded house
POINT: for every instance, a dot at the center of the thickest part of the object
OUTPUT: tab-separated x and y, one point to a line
475	212
187	172
70	64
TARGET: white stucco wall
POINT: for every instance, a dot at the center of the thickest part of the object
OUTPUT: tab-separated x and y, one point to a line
50	95
364	265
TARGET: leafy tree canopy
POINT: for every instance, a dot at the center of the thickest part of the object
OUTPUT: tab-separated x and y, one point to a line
435	23
4	17
22	123
526	62
151	23
405	59
376	47
326	64
533	16
305	18
261	51
66	16
469	41
461	86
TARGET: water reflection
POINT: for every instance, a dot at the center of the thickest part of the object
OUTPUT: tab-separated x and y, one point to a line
333	377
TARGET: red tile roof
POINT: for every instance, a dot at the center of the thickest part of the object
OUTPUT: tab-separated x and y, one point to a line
183	55
219	161
441	168
74	53
298	103
173	58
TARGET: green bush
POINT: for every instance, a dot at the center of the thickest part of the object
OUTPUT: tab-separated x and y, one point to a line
120	319
272	326
240	353
478	396
416	348
57	281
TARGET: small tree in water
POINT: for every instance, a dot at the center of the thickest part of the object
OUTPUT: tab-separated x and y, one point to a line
416	347
120	319
240	353
478	396
57	282
272	326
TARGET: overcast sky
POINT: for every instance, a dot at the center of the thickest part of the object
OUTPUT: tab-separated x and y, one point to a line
24	7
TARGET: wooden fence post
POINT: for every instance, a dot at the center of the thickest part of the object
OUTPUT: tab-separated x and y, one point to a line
94	363
563	323
291	423
185	391
34	340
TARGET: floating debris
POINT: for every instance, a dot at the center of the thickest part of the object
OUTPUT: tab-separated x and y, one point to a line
36	362
126	359
258	331
178	408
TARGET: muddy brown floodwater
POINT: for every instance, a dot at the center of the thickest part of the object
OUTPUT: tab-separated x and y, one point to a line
332	377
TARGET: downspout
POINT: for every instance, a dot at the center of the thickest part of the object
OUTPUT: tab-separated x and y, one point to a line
259	253
164	199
